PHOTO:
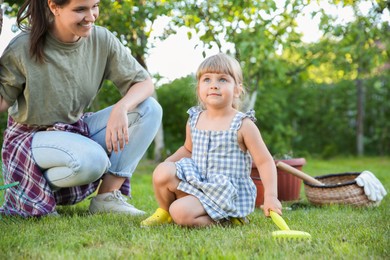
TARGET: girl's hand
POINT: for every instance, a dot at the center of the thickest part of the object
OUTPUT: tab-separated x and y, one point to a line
117	135
272	203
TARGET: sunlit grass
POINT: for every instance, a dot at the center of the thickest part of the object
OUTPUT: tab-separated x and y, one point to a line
338	232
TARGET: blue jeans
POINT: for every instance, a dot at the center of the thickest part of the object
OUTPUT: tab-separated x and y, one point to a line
69	159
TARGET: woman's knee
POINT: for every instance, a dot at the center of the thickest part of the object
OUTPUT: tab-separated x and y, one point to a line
69	159
149	113
82	171
95	165
154	108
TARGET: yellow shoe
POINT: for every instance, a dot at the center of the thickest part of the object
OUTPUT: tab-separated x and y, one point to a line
239	221
159	217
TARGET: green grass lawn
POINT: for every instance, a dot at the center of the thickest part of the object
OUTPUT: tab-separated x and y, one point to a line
338	232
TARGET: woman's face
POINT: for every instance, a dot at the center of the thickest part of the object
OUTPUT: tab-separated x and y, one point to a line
74	20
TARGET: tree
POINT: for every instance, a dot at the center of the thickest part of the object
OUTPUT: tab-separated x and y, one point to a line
1	16
279	58
264	36
218	23
254	32
357	53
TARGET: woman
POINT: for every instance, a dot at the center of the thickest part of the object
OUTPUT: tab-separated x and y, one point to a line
49	74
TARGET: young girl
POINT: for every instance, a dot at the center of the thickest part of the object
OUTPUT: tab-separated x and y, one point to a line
207	180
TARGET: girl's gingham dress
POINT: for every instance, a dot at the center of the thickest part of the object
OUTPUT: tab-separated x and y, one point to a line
218	173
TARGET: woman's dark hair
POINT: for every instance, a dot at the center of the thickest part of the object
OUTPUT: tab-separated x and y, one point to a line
39	21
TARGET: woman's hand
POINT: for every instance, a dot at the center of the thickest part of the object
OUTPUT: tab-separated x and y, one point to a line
117	135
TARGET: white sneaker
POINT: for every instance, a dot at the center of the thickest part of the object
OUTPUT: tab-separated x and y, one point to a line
113	202
53	214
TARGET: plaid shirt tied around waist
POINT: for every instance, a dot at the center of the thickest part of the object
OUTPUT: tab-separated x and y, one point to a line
33	196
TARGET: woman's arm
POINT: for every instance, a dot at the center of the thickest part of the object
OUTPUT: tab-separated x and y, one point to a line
3	105
117	125
136	95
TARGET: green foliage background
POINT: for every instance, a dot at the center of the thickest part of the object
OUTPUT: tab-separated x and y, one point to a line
308	93
308	120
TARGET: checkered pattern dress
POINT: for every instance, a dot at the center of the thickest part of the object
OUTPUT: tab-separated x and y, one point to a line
218	173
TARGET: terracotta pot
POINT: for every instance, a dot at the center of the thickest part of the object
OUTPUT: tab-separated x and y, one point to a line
289	186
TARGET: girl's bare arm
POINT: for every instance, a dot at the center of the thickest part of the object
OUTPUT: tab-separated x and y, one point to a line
265	164
184	151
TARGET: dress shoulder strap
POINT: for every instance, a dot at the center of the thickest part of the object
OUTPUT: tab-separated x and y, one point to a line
237	120
194	113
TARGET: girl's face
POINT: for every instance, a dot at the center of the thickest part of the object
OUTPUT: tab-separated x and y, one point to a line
74	20
217	90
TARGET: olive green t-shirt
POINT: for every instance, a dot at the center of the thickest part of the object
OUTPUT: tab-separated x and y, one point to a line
60	89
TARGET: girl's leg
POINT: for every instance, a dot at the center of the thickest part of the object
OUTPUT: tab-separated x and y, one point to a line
189	212
165	185
68	159
184	209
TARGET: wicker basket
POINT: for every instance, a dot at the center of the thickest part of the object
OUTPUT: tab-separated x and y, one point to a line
339	189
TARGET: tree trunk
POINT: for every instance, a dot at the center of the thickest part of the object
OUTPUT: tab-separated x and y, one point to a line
360	117
253	100
159	144
249	101
1	16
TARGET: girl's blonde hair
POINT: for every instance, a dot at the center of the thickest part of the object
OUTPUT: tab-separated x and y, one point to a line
223	64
